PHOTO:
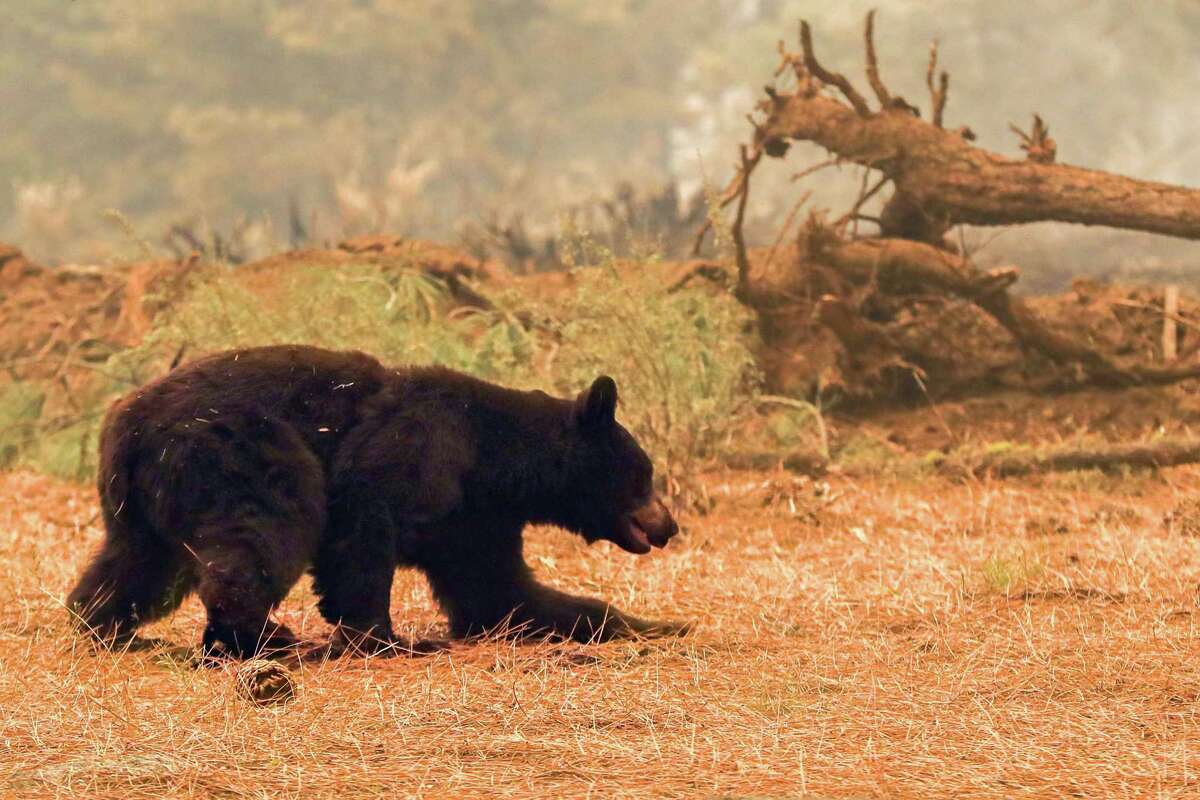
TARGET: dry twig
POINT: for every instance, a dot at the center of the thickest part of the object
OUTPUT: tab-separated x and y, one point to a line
938	95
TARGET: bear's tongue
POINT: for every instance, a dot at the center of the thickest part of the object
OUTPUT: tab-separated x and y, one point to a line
634	539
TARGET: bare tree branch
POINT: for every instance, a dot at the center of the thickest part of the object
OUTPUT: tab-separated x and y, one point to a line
937	96
881	91
739	242
832	78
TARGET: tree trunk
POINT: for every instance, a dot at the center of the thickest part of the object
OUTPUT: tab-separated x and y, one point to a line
952	181
855	290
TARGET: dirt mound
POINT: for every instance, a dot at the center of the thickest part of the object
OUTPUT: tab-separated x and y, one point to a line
438	260
1124	320
57	320
14	266
62	323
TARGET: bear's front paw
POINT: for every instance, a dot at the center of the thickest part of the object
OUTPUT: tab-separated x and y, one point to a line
658	629
223	642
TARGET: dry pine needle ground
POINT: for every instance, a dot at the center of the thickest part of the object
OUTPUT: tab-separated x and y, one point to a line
867	638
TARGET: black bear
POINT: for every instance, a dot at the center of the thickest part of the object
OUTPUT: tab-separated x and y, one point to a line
235	474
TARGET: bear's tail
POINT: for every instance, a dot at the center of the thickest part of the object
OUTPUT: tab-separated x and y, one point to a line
135	576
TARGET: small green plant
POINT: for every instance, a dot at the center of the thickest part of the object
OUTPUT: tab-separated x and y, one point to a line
866	452
1001	448
1004	574
796	422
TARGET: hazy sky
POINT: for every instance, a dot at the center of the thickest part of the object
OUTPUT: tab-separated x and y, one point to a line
421	117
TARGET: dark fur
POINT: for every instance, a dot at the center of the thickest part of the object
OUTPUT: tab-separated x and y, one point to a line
235	474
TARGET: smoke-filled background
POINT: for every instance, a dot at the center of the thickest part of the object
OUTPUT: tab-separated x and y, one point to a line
310	119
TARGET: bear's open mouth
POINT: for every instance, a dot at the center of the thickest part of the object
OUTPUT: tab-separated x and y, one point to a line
638	539
631	536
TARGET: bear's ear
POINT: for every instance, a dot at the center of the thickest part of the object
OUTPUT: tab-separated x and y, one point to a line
596	409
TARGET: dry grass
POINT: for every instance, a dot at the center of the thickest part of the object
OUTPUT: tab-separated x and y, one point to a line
878	638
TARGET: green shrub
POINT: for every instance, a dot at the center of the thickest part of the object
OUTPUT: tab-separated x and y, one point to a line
682	360
66	449
21	406
397	316
63	444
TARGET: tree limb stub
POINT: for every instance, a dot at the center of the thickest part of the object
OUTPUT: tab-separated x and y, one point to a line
1037	144
937	95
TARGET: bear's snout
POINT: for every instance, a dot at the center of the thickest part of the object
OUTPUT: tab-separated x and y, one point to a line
656	522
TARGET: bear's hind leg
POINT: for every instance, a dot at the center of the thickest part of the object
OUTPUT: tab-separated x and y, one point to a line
128	584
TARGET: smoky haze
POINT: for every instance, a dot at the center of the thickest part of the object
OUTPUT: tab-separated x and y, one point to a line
321	119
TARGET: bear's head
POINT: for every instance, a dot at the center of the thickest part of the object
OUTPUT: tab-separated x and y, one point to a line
614	498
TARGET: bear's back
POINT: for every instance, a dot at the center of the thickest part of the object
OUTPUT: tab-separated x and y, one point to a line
322	393
283	380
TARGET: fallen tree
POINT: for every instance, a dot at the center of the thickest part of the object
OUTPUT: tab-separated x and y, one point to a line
862	291
1007	463
940	178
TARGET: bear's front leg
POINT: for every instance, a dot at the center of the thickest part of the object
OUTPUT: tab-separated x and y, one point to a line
547	611
353	575
486	588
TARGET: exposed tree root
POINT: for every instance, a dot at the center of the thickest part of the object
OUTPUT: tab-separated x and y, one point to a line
901	263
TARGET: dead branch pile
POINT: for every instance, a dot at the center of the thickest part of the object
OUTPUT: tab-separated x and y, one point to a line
56	321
